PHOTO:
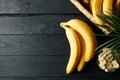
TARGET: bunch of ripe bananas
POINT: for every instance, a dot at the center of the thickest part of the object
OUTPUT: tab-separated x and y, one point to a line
97	7
81	36
92	8
82	43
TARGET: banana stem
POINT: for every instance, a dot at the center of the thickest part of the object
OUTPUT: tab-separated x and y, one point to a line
88	14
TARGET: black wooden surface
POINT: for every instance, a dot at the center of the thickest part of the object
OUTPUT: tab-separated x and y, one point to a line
36	7
34	47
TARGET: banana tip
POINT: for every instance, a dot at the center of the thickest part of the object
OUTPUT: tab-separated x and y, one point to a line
67	72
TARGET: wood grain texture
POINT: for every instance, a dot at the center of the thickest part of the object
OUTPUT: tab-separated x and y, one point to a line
53	78
36	7
31	66
46	67
34	45
34	24
99	78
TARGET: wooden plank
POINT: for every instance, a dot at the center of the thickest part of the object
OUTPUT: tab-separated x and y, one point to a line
31	66
46	67
36	24
44	79
88	78
34	45
36	6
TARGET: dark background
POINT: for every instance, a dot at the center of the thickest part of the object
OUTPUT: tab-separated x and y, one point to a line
34	47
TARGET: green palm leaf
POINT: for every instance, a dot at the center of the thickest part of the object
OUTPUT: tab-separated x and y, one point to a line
114	21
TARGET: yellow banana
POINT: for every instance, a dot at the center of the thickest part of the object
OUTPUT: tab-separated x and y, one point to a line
82	62
96	8
74	49
108	9
117	5
88	36
107	6
91	3
86	2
